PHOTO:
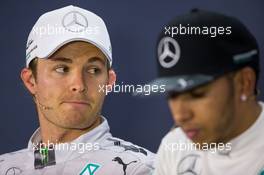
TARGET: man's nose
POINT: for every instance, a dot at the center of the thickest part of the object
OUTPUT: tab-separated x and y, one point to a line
181	110
78	83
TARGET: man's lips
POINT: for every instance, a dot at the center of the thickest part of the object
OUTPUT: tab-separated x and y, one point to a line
76	103
191	133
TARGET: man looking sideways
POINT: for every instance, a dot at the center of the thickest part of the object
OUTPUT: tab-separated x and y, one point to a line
68	57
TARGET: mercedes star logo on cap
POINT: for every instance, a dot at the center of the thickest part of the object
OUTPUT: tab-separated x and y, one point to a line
168	48
75	22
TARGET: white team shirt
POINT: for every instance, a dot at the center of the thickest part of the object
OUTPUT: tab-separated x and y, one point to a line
246	156
99	154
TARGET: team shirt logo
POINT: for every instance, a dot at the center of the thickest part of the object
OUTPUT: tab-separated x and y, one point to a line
90	169
121	162
75	22
189	165
13	171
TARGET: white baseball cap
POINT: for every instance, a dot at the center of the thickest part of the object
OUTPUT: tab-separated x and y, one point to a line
61	26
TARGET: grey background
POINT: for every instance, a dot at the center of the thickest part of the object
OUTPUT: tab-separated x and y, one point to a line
133	27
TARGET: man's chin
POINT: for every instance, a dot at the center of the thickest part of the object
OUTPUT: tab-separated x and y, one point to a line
73	122
80	121
204	144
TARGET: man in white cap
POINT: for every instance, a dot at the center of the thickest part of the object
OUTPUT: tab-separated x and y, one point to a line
68	57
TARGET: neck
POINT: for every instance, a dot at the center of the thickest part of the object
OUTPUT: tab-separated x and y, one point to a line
247	114
52	133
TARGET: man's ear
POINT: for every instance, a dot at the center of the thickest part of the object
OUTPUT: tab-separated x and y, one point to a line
29	80
247	80
111	78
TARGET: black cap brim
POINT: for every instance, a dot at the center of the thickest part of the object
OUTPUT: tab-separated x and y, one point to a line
177	84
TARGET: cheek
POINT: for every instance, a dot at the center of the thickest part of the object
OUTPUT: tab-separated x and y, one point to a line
206	110
49	88
173	111
213	114
97	81
97	88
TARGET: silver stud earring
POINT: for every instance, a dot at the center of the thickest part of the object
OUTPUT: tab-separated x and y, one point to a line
243	97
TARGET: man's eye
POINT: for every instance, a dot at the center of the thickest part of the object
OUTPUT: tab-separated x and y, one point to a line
197	94
62	69
93	70
172	95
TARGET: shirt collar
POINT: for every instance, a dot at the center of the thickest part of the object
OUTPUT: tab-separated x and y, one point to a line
64	151
248	138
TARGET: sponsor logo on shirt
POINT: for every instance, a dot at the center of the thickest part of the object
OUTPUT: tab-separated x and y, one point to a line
129	147
189	165
13	171
120	161
261	172
90	169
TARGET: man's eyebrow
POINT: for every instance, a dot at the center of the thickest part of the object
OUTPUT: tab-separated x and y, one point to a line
202	88
95	59
63	59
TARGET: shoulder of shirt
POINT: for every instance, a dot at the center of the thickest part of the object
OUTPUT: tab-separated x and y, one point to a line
132	151
175	135
172	148
13	154
8	159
